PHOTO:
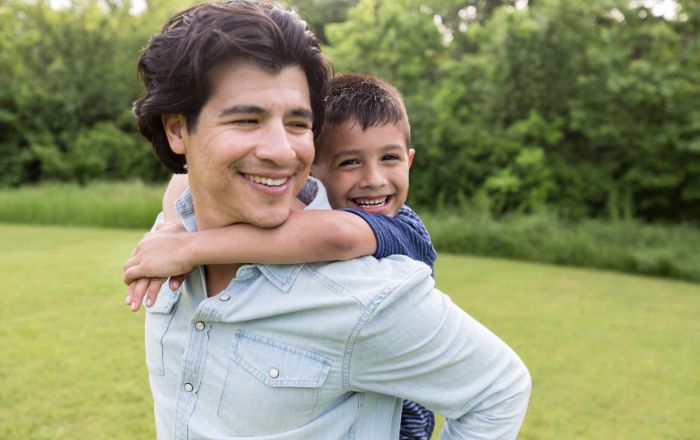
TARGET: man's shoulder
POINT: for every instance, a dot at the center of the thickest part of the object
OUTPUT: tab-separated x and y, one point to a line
368	277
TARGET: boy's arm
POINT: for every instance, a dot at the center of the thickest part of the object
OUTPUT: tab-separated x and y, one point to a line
178	184
306	236
403	234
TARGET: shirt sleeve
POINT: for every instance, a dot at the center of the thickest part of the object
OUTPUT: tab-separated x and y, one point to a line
403	234
443	359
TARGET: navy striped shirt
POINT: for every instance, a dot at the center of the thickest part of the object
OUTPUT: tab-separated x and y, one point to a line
405	234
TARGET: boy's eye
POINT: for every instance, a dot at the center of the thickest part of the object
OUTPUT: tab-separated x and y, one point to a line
391	157
349	162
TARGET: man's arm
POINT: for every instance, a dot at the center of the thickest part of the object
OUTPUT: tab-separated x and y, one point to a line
416	344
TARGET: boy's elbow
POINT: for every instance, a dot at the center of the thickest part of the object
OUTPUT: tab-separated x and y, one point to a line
346	242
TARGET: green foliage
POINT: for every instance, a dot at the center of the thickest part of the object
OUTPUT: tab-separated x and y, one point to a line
70	79
598	344
586	107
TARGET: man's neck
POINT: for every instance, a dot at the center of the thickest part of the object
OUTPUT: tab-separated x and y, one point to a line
218	277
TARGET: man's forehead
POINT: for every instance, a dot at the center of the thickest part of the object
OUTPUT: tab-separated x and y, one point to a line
247	84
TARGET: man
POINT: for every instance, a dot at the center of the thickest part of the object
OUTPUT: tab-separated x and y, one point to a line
323	351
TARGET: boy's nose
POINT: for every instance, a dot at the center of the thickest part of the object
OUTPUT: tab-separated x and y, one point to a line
372	177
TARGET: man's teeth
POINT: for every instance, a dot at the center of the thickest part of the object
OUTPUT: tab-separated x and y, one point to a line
371	203
267	181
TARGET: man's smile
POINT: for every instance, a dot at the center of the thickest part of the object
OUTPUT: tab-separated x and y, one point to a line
267	181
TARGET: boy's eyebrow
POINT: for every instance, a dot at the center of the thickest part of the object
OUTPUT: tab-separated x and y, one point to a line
354	151
254	109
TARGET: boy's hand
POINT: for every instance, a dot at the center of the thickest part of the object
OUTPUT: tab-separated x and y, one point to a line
139	288
160	254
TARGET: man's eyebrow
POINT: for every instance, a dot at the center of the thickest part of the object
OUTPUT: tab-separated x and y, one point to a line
254	109
302	113
244	109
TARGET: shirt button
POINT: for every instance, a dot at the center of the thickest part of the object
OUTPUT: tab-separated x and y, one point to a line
224	298
199	326
274	373
188	387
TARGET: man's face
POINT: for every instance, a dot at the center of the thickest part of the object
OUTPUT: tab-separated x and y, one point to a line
364	170
252	147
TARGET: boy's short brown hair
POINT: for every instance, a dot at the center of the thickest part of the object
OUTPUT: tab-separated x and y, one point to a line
368	100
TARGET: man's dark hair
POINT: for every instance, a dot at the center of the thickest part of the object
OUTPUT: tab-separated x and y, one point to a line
177	64
366	100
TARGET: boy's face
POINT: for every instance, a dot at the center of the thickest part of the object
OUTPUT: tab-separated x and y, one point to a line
364	170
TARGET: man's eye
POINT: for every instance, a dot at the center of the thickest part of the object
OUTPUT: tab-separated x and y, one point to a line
247	121
301	125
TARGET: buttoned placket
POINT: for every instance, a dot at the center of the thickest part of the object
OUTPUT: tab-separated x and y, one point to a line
209	310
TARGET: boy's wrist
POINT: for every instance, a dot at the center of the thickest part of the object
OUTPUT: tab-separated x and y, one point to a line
190	250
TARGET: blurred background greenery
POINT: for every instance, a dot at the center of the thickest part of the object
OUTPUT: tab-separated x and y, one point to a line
548	130
560	131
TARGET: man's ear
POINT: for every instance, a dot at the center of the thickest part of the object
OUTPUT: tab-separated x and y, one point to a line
411	153
175	130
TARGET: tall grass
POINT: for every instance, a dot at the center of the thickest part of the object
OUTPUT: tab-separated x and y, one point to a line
121	205
627	246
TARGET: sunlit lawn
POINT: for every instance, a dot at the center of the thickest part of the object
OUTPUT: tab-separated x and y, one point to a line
612	356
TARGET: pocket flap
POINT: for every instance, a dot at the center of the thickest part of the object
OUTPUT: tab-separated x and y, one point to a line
165	300
277	364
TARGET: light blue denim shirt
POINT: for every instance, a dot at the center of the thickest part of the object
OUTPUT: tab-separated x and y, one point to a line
325	351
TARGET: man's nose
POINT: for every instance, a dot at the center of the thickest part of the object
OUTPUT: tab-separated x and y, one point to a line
276	145
372	177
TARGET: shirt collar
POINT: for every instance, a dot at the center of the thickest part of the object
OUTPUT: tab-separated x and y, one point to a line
313	194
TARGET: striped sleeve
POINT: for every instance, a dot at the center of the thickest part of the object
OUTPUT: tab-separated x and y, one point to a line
404	234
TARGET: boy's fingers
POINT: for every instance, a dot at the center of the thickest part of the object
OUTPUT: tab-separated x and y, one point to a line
153	288
131	274
129	294
175	282
139	290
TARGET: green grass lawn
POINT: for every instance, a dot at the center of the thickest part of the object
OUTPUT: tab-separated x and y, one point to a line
612	356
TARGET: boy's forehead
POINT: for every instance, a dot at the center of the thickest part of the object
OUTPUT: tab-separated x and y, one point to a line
335	138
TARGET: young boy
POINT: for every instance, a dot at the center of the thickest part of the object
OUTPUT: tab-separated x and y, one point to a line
363	156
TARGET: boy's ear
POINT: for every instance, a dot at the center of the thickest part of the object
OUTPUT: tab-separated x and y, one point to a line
411	153
175	130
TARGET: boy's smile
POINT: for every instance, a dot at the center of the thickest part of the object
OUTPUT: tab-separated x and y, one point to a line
366	170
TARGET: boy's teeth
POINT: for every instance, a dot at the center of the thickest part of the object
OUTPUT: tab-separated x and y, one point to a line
371	203
267	181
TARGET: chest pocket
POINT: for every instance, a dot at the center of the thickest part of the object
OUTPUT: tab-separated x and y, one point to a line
270	386
158	318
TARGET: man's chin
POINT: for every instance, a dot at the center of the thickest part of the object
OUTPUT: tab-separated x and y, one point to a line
271	220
